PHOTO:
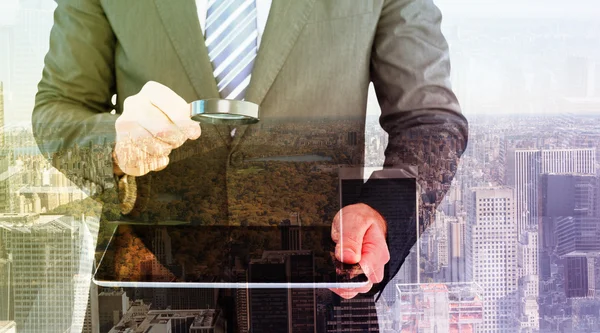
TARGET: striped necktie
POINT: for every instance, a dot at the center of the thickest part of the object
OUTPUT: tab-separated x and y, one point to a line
231	39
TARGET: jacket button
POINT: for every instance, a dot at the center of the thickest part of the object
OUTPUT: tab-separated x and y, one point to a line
236	158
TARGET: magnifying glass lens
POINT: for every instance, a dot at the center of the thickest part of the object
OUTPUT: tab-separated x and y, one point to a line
222	116
223	111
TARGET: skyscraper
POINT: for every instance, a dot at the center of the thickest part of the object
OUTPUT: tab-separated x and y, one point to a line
578	236
526	168
491	240
91	322
358	314
6	298
282	310
4	160
1	114
241	299
564	199
528	281
47	254
112	306
456	250
580	281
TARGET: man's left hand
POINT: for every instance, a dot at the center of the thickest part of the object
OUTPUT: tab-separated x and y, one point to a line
359	232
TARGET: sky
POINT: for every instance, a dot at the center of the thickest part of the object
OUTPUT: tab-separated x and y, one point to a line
453	11
520	9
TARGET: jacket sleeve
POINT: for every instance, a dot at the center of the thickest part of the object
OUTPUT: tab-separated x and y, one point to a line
410	70
72	120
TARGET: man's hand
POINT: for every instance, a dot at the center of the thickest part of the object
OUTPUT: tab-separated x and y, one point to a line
359	232
154	122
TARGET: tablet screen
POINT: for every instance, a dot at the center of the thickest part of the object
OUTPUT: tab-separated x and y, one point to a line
287	253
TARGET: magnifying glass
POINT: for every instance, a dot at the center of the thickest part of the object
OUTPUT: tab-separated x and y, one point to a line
224	111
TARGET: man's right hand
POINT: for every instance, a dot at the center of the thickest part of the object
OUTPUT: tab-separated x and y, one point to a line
154	122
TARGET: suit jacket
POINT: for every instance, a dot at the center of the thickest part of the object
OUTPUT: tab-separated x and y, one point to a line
311	78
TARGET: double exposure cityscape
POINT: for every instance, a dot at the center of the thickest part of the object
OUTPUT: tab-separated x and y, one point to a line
512	244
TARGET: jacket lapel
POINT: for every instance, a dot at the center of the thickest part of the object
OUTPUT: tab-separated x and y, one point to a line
180	20
286	20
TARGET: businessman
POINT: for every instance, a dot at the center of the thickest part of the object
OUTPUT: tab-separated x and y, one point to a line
307	63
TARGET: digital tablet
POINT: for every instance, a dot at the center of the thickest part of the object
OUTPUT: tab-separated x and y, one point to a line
287	255
185	256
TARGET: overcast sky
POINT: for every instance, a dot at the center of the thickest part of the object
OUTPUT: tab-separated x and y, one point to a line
520	8
453	11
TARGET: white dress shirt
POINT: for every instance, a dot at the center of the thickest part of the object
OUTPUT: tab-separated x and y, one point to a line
262	13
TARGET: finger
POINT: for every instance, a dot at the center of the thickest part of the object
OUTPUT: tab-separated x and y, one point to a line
158	163
362	289
133	161
163	130
344	293
132	136
145	167
375	254
173	106
348	229
141	111
130	154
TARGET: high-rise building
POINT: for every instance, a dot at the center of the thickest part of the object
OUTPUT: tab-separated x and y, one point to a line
491	241
48	255
579	277
456	250
561	197
527	317
291	238
564	199
268	307
241	299
527	313
439	242
6	297
577	236
112	306
282	310
527	254
569	161
91	322
568	195
358	314
5	204
526	168
2	141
